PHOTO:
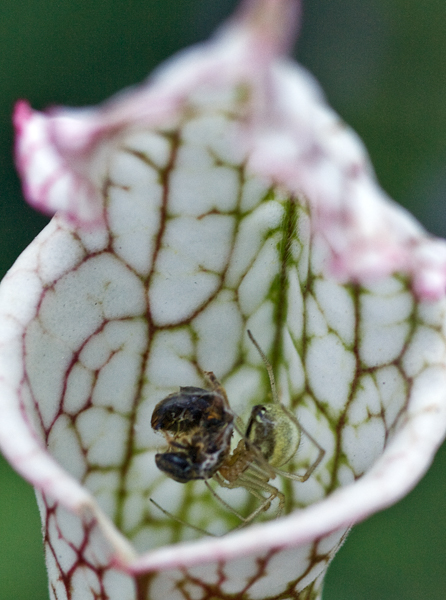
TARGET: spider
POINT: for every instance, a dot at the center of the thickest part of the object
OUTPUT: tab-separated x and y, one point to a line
198	425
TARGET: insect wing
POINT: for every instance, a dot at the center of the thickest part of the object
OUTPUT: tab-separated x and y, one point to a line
182	411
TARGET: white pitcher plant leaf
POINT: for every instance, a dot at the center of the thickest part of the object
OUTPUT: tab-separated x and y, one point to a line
221	196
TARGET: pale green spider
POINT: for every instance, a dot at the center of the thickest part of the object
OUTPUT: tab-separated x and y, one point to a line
198	425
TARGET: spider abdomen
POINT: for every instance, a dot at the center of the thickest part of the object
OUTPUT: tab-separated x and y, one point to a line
274	432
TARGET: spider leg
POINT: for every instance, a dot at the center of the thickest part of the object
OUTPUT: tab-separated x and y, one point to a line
216	386
313	466
320	455
178	520
220	499
263	471
235	484
254	484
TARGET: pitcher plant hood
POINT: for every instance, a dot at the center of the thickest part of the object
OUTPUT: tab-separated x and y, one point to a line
222	195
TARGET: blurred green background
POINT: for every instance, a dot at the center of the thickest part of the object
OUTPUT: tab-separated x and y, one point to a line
382	65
